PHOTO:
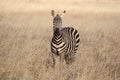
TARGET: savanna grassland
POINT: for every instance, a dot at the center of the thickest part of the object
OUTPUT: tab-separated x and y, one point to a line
25	43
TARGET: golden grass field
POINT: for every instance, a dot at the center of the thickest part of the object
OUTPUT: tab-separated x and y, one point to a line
26	32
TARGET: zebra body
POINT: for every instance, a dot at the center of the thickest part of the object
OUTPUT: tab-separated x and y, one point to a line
65	41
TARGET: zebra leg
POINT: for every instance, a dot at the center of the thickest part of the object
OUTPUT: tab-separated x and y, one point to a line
56	60
62	57
53	60
67	59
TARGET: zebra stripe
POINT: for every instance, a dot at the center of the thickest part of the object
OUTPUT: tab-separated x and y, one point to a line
65	41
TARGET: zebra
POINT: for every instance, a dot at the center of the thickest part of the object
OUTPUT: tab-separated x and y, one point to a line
65	41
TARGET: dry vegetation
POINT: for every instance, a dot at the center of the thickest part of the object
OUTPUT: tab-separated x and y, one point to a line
25	46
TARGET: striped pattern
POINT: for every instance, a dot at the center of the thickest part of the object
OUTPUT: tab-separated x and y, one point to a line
72	39
65	41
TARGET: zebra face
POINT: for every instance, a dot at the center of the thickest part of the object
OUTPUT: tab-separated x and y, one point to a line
57	20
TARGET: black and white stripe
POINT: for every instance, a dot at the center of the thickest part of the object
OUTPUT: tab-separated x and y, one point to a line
65	41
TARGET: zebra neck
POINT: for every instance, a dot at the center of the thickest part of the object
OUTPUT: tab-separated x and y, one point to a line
57	33
57	37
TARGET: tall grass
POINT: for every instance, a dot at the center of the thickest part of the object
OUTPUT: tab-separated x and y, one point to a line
25	47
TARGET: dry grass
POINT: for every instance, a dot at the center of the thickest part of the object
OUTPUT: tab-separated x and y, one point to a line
25	46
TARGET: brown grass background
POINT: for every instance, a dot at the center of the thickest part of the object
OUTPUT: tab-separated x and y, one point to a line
26	31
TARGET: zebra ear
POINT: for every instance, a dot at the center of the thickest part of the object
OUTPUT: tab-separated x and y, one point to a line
62	14
53	13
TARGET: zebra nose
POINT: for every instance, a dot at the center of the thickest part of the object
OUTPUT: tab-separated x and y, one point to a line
57	15
57	29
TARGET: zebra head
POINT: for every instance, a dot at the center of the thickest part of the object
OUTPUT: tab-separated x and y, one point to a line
57	20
